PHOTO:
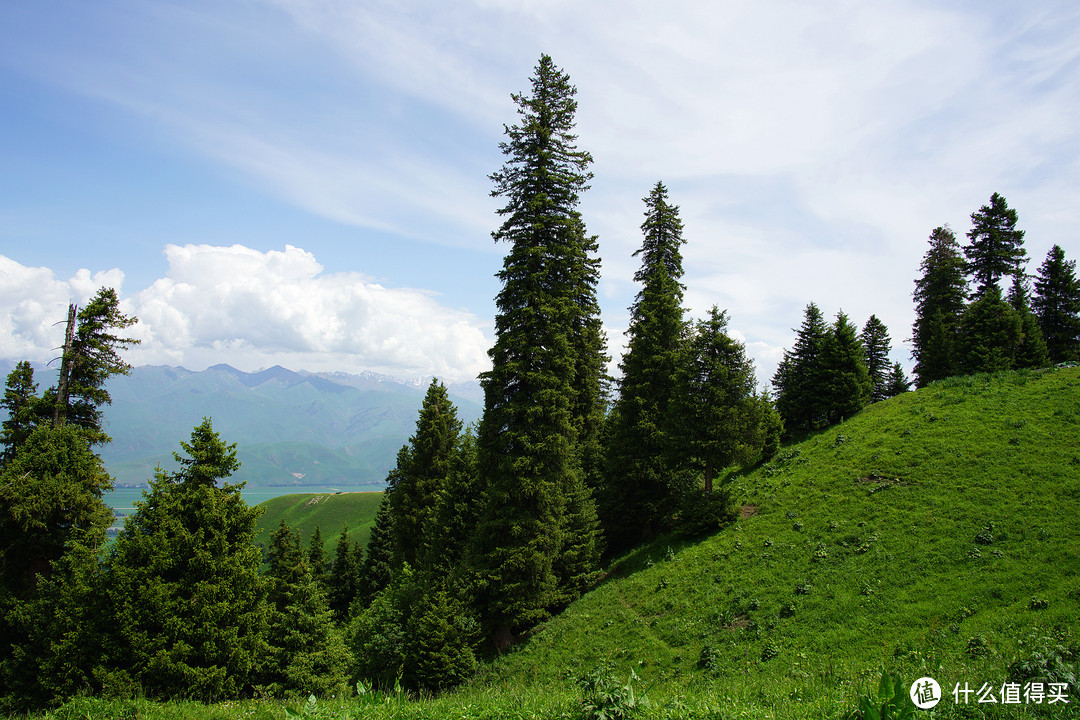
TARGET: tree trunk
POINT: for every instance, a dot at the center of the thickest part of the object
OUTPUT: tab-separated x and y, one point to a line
502	638
60	409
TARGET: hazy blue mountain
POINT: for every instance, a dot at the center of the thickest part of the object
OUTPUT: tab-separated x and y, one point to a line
291	428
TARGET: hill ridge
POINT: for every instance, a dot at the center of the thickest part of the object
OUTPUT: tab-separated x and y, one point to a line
291	427
933	533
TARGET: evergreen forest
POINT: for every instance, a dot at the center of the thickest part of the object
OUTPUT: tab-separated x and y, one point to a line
487	535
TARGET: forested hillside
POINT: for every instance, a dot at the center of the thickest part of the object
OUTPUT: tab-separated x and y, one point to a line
723	545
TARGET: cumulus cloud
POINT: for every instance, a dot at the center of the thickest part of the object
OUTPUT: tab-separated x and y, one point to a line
33	306
254	309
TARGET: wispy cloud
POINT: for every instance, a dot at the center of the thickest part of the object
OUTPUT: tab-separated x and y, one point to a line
811	146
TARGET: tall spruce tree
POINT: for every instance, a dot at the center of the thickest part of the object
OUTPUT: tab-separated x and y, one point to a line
875	340
799	380
454	517
90	357
344	579
377	566
22	404
543	397
184	582
1057	306
644	446
306	652
939	302
728	422
421	472
995	248
847	383
1031	352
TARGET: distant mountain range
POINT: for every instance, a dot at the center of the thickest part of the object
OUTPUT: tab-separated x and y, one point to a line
291	428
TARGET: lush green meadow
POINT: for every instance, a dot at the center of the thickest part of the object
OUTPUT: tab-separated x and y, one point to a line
934	534
937	533
122	501
330	512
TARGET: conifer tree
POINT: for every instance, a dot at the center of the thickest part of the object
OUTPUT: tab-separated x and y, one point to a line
90	358
1031	351
53	647
316	557
50	496
454	516
939	303
344	579
1057	306
379	643
847	383
727	420
376	569
52	526
306	652
439	638
543	397
421	472
800	380
875	340
644	446
996	247
897	382
22	404
184	582
990	333
419	626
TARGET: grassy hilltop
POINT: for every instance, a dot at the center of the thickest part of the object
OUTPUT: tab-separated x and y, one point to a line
937	533
330	512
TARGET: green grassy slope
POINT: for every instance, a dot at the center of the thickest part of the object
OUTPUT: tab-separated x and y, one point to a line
937	533
329	511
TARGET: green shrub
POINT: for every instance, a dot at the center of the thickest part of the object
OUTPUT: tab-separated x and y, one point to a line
704	513
892	702
605	697
977	647
1049	662
709	658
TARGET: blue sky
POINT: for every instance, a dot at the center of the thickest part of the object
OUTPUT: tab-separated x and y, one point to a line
305	182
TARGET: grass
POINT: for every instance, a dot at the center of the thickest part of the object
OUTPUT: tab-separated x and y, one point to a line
935	534
926	523
329	511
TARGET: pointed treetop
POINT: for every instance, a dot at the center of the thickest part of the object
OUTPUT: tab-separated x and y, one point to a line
996	247
208	457
545	172
663	237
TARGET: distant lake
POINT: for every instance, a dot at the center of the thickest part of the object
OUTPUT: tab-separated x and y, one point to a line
122	500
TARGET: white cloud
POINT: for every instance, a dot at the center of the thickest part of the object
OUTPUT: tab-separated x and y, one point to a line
812	146
253	309
33	307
